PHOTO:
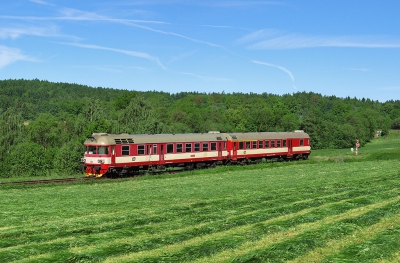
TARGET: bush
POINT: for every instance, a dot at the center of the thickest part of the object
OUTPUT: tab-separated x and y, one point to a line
26	159
68	158
396	124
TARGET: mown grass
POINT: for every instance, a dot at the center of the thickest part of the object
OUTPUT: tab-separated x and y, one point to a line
321	210
383	148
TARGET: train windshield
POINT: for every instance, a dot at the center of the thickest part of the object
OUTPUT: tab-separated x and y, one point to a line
91	150
97	150
103	150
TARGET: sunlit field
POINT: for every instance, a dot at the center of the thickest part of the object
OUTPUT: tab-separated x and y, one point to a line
334	207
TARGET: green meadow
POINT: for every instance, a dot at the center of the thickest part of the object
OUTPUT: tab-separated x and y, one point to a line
334	207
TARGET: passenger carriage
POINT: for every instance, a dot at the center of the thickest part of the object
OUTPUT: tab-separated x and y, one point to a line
245	147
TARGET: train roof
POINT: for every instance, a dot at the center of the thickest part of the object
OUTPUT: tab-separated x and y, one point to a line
251	136
125	138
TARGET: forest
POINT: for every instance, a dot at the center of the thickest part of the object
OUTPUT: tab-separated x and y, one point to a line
43	124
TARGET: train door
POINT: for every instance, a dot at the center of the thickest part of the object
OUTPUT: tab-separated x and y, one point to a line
161	155
149	152
234	150
113	155
220	148
290	147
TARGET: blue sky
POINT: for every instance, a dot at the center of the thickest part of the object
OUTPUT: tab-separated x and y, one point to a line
341	47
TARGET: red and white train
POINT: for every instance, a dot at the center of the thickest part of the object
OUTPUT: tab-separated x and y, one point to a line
119	154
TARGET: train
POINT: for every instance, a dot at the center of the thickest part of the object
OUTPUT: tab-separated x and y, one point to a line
126	154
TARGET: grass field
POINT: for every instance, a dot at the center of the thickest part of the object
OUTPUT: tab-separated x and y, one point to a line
335	207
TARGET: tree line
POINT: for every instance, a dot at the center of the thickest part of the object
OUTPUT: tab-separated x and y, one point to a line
43	124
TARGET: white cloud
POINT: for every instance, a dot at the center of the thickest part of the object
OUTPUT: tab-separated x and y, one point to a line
145	56
182	56
10	55
126	52
15	32
267	39
78	15
255	36
41	2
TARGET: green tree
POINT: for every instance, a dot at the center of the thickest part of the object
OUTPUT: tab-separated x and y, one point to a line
26	159
69	156
138	117
396	124
45	131
122	101
290	122
12	130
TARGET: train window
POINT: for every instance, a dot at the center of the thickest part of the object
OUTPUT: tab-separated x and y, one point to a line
179	148
188	147
103	150
272	143
266	144
278	143
260	144
155	149
213	146
241	145
224	145
92	150
170	148
205	146
254	145
140	149
247	145
125	149
284	143
301	142
197	147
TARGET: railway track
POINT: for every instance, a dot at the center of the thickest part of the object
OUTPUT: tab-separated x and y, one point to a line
53	181
71	180
74	179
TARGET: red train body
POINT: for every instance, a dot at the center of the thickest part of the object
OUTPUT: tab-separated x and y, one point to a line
119	154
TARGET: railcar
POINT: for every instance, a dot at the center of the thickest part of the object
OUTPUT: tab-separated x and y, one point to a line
245	147
120	154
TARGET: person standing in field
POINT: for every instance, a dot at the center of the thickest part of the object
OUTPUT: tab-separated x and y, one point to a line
357	146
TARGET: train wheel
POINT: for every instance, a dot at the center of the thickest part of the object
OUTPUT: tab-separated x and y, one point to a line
189	167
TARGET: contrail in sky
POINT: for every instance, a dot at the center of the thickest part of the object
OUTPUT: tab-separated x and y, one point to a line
126	52
279	67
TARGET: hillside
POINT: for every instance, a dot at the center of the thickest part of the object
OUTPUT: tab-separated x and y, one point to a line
53	119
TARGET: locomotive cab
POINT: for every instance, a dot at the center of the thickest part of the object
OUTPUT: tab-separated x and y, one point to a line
97	157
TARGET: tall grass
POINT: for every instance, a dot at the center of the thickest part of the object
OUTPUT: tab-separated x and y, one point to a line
321	210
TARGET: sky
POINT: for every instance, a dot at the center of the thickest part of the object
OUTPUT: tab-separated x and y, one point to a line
342	48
